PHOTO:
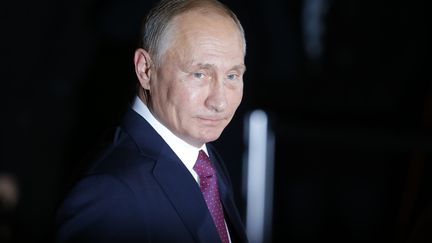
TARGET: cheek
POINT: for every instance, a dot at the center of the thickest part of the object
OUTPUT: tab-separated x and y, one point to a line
194	95
235	98
189	97
184	100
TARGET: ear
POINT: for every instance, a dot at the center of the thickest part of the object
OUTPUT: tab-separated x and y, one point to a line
143	66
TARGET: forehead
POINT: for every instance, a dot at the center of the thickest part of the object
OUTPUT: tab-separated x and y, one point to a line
200	18
206	29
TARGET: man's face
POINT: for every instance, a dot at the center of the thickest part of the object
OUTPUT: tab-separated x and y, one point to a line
198	85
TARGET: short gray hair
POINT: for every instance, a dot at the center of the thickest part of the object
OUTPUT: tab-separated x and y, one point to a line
158	20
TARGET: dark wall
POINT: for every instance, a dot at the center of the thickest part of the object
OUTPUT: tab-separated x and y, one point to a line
345	83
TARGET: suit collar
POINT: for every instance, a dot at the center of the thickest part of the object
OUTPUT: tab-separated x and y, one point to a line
148	141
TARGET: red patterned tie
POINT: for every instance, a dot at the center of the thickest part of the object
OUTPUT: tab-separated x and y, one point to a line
209	189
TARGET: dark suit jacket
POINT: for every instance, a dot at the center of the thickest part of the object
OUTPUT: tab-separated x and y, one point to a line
140	191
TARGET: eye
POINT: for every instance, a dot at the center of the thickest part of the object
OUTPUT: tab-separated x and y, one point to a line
232	76
198	75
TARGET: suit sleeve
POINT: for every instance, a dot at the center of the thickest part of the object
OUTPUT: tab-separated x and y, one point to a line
101	208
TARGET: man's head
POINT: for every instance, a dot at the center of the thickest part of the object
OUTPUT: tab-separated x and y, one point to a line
158	23
191	67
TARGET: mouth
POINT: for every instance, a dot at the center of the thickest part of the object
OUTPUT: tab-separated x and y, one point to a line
211	121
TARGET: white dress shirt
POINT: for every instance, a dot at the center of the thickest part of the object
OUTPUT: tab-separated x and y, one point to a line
187	153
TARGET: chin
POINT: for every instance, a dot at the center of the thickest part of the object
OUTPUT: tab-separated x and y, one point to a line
208	135
211	138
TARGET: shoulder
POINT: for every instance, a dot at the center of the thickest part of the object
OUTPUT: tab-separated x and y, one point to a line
121	157
117	173
106	198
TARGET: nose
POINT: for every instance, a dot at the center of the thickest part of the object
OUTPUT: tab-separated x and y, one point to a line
216	99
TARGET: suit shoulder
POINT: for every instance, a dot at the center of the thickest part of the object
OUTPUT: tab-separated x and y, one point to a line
121	156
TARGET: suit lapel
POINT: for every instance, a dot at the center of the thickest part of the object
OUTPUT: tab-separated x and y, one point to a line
184	193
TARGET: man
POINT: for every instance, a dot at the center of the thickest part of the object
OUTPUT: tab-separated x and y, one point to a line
156	183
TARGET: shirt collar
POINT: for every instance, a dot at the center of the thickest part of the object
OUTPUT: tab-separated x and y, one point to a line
187	153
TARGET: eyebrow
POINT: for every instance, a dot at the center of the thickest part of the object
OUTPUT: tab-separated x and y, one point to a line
210	66
240	67
206	65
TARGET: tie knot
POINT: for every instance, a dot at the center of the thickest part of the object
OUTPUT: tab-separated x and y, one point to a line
203	166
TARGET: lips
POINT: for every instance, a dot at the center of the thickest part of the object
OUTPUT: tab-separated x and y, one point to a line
211	120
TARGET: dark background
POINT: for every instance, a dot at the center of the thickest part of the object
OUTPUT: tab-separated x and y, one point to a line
352	117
